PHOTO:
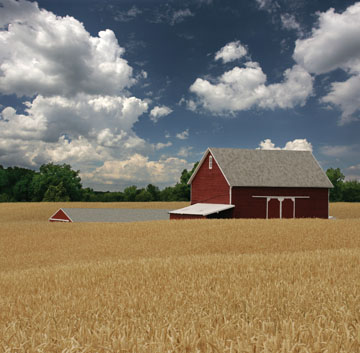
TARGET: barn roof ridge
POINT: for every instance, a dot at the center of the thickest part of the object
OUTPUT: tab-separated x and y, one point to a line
267	168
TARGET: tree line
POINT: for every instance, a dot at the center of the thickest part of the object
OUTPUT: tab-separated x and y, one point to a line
61	183
347	191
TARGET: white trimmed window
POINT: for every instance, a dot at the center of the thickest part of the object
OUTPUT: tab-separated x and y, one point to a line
210	162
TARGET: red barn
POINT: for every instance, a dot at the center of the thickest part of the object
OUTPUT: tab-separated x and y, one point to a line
257	184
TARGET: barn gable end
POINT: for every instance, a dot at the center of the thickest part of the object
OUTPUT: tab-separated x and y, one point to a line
208	183
60	216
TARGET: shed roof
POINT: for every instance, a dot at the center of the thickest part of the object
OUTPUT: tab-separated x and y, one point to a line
202	209
268	168
112	214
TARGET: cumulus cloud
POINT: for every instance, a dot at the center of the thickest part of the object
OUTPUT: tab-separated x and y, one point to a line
183	135
298	145
295	145
18	126
42	53
231	51
158	112
100	125
345	95
335	44
164	171
47	118
78	152
78	108
243	88
267	144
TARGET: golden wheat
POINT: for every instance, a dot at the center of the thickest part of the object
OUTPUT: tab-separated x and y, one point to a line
181	286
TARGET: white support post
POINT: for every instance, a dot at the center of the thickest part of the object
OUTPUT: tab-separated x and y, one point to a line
280	199
293	200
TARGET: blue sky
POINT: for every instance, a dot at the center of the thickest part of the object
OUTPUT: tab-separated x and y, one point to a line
133	92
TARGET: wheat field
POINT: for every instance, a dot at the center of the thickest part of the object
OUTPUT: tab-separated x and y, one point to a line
181	286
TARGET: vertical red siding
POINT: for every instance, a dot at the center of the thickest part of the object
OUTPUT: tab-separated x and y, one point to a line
210	185
273	208
287	208
246	206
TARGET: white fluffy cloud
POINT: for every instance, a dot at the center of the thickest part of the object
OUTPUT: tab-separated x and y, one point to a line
146	171
335	44
295	145
78	109
231	51
243	88
345	95
47	118
158	112
42	53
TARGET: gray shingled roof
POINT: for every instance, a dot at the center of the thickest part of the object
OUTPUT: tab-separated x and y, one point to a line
115	214
270	168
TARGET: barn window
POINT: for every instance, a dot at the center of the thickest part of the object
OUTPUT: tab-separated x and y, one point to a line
210	162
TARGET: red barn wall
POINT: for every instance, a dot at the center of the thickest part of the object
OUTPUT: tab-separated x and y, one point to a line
210	185
246	206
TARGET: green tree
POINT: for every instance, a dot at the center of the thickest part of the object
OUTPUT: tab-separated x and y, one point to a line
167	194
154	191
351	191
52	175
21	190
143	196
336	177
56	193
130	193
4	181
181	192
185	175
15	183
